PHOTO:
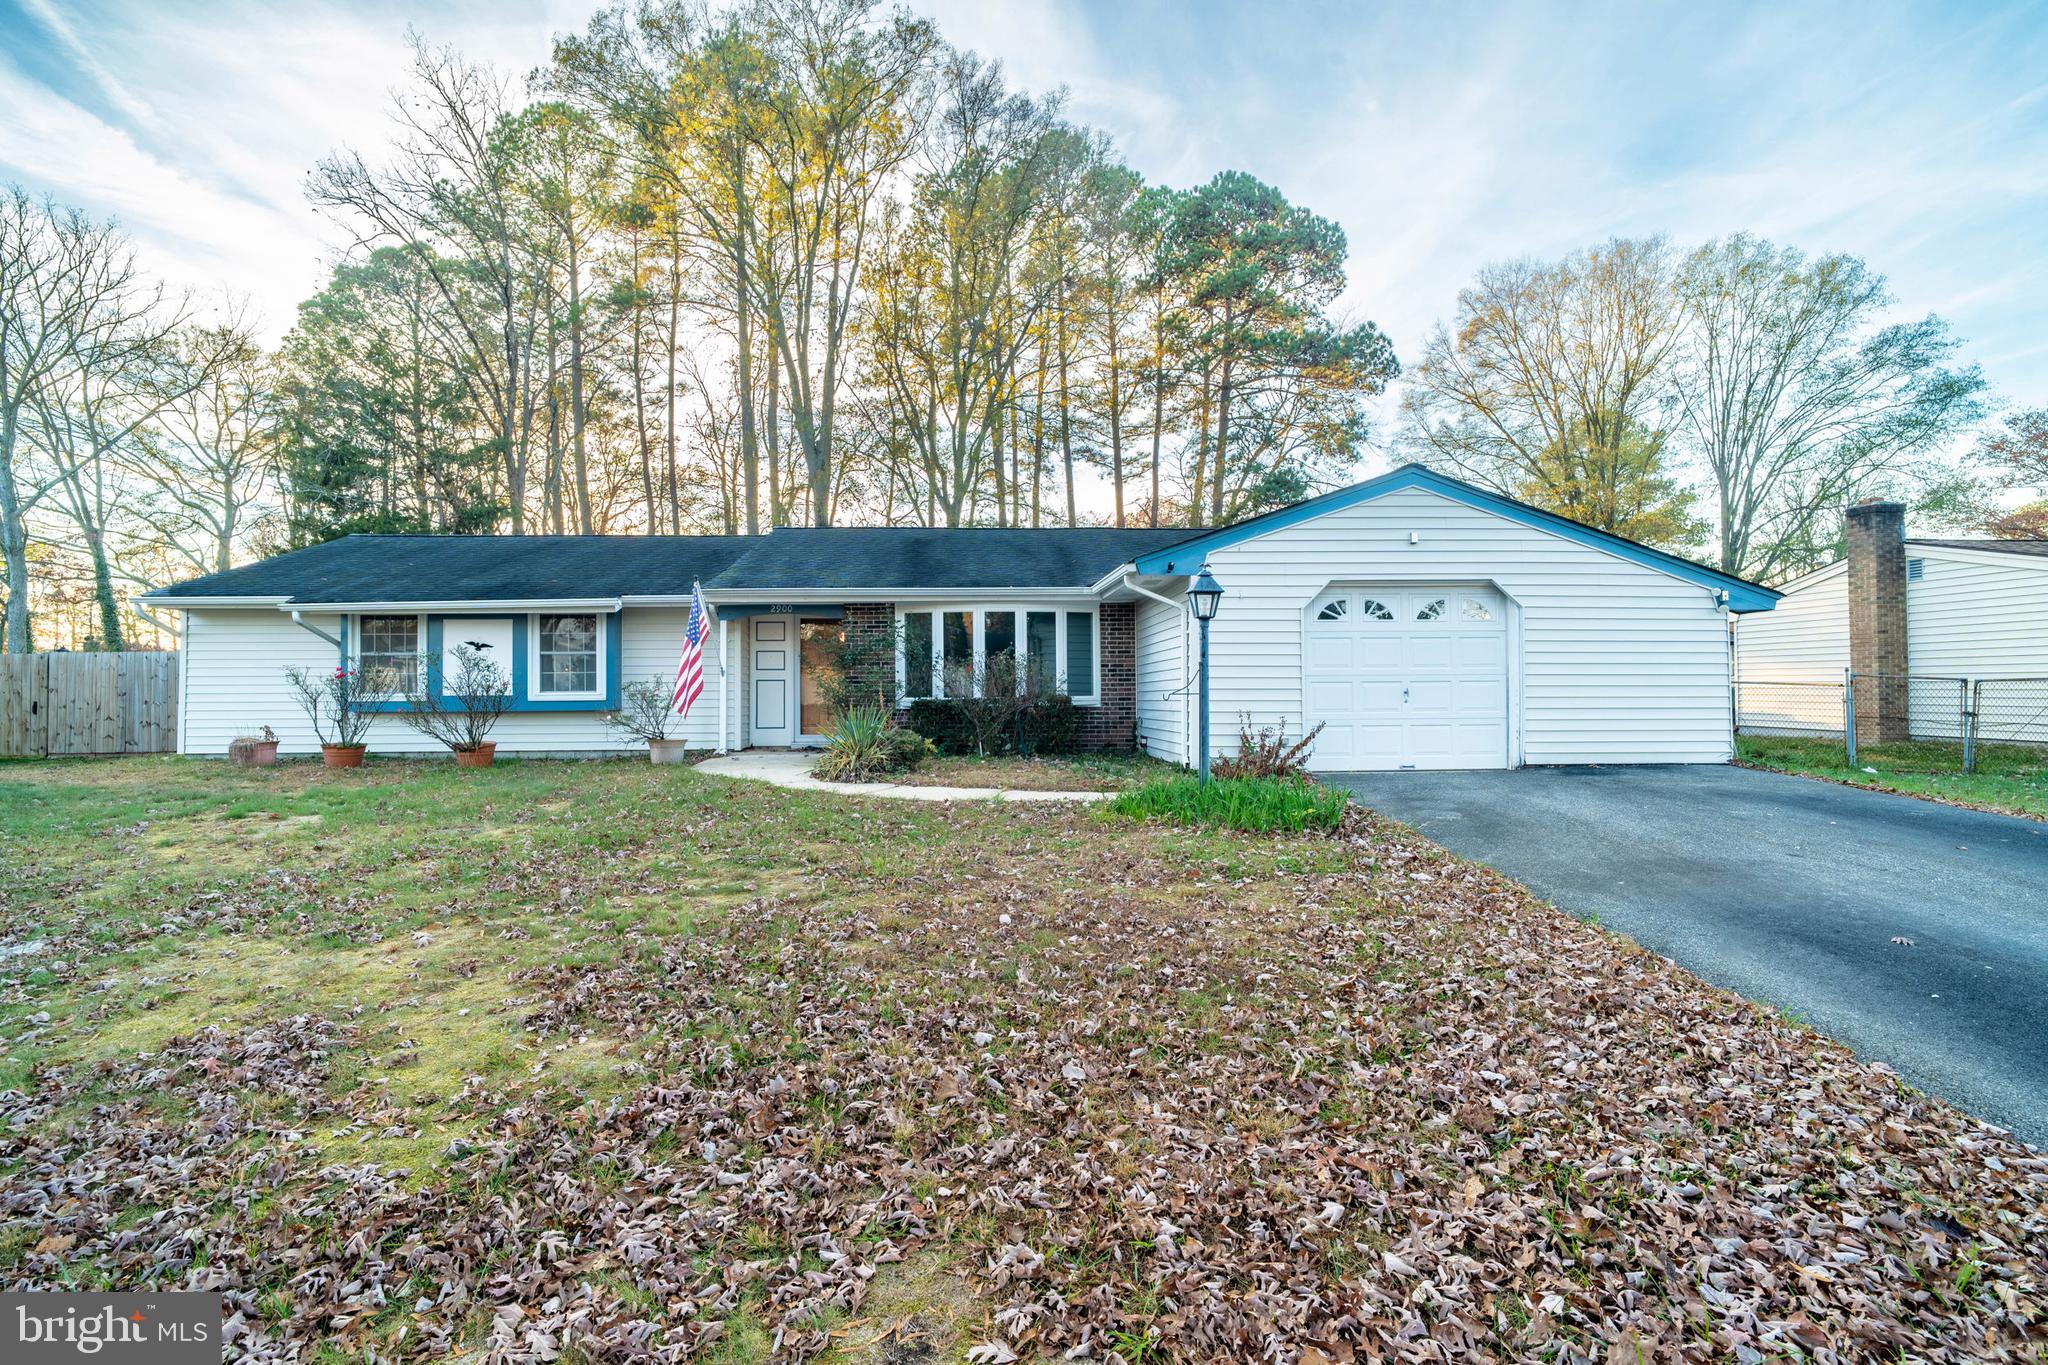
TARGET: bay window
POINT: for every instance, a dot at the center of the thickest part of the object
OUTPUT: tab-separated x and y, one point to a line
949	652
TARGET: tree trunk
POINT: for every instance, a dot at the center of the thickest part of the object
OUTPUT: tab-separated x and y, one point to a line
585	522
13	544
1158	404
1116	423
640	396
103	591
750	455
1222	445
1066	413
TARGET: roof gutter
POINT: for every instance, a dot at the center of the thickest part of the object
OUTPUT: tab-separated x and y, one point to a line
182	603
464	606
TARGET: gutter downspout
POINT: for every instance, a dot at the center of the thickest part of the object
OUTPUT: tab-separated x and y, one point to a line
299	621
1187	745
175	632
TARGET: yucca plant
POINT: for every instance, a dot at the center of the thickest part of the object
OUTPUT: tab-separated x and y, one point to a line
865	745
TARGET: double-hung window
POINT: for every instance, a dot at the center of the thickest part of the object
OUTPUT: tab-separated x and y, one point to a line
388	654
566	656
957	652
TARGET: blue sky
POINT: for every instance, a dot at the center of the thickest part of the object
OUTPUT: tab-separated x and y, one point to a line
1441	136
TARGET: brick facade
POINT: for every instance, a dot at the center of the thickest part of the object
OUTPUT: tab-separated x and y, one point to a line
1877	620
870	636
1110	726
1114	724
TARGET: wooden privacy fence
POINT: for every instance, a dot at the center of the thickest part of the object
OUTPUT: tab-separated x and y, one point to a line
56	704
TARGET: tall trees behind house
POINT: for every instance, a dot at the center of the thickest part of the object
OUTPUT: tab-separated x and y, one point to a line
1732	399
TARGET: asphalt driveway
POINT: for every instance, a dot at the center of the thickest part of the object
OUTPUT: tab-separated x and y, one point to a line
1791	892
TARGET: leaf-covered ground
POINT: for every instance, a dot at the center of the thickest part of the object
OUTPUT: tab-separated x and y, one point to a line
616	1062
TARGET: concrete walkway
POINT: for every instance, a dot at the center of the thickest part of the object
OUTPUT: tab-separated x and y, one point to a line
792	768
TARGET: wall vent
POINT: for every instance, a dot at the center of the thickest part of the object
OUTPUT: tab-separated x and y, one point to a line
1916	569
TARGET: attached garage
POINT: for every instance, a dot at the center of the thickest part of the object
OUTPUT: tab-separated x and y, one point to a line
1409	676
1427	623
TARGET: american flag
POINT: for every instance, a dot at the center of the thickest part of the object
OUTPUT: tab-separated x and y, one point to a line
690	668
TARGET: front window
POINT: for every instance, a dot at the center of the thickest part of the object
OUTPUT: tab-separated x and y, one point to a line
388	654
954	653
568	655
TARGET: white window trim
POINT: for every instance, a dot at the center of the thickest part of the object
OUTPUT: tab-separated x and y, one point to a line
533	674
937	612
355	641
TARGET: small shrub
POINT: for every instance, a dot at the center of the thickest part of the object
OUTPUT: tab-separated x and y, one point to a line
864	746
644	710
1050	725
1266	752
943	723
1042	725
1257	804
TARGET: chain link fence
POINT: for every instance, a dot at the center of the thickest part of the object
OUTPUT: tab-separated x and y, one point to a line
1935	723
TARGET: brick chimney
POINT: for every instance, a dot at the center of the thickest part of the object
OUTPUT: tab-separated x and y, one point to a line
1877	619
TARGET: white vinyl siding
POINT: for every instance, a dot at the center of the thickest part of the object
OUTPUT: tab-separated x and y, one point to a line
1805	639
1970	614
1611	661
1977	614
233	682
1164	702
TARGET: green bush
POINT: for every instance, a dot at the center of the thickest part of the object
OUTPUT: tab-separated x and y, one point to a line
1052	725
943	723
1049	725
864	746
1258	804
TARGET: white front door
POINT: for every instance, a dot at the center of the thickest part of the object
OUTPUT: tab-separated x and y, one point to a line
772	671
1408	676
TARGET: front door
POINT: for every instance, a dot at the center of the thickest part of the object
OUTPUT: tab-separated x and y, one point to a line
817	656
773	672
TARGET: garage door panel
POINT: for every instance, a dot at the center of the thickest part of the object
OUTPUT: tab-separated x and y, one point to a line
1481	651
1331	651
1429	653
1426	689
1331	696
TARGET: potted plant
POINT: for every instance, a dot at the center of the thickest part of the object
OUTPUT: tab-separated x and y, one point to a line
460	706
254	751
644	713
333	701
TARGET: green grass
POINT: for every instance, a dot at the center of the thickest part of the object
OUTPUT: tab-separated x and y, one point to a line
1255	804
2009	777
1063	772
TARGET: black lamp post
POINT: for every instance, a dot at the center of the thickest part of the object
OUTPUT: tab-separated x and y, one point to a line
1205	594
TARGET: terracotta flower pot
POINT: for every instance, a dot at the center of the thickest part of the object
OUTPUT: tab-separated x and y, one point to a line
342	755
667	750
255	753
482	756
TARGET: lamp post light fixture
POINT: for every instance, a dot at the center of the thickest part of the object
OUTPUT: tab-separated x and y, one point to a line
1205	595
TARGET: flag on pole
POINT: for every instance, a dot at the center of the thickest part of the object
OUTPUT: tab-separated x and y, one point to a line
690	668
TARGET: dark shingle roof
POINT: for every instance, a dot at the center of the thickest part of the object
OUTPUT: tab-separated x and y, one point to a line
474	568
885	557
540	568
2003	547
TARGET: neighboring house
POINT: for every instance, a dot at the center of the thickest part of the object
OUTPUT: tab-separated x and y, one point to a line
1899	606
1422	621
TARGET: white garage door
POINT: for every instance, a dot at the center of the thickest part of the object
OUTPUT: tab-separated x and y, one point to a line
1408	677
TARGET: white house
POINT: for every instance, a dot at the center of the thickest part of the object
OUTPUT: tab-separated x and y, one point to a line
1964	608
1421	621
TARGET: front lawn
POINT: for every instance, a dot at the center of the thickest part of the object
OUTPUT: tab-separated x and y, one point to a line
2010	777
595	1060
1061	773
